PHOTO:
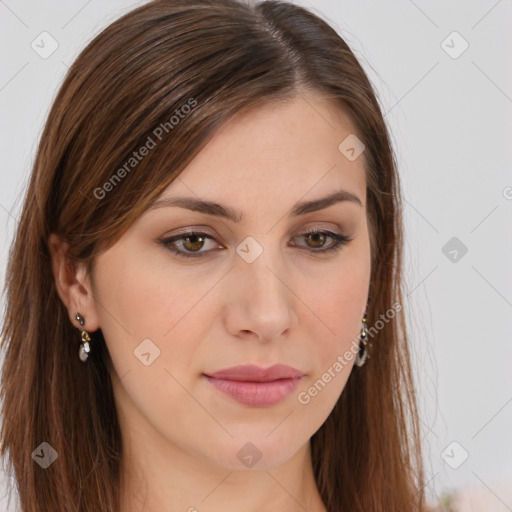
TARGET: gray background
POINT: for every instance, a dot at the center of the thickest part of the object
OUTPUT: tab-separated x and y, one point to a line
451	124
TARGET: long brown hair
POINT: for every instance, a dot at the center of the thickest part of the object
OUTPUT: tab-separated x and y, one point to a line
221	58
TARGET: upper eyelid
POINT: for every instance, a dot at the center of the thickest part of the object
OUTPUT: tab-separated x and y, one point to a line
310	226
204	231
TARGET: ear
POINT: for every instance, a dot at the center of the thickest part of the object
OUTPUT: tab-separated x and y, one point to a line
73	285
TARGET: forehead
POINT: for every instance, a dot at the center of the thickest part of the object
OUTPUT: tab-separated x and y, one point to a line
275	154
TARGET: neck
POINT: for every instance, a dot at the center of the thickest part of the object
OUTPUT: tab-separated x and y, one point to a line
160	476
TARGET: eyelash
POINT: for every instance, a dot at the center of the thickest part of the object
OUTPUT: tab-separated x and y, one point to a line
340	242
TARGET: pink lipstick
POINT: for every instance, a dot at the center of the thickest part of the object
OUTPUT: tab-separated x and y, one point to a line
255	386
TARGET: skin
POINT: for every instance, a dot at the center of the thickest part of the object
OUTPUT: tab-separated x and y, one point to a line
181	435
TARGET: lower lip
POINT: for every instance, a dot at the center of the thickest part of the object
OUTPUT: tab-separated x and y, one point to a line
256	394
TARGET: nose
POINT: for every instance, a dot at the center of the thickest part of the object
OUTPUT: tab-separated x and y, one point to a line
262	305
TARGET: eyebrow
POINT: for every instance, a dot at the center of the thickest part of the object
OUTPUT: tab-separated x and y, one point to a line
219	210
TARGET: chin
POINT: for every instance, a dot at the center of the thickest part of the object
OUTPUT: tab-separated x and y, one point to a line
259	451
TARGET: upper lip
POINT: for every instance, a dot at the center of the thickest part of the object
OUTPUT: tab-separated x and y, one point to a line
254	373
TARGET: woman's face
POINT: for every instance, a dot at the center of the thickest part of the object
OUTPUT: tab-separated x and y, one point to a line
257	291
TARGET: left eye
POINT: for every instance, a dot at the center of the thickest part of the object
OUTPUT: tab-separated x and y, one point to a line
188	245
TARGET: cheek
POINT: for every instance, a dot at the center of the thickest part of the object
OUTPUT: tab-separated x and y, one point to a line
334	324
338	302
153	337
137	294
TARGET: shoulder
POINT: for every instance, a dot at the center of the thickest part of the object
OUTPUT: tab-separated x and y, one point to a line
446	502
475	498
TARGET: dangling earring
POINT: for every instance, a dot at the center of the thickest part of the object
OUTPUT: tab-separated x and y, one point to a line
362	355
83	353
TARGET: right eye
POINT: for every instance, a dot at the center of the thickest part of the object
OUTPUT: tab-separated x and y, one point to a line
188	245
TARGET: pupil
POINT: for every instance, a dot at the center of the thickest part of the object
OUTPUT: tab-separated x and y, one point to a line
195	239
318	237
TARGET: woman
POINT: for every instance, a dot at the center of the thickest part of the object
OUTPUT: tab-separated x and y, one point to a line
204	306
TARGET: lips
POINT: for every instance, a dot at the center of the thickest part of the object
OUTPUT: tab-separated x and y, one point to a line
255	386
253	373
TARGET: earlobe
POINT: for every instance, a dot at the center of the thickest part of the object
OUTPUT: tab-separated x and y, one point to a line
72	284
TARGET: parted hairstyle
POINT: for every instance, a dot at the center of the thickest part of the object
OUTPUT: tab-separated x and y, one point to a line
221	58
